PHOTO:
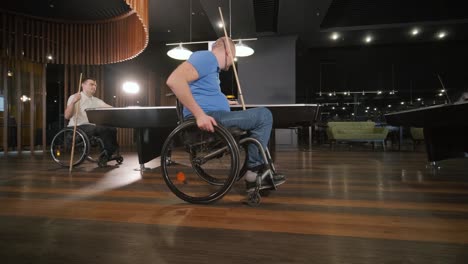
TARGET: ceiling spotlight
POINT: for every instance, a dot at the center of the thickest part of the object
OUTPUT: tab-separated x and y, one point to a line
220	25
131	87
334	36
415	31
419	99
389	106
441	34
402	103
368	39
49	57
10	73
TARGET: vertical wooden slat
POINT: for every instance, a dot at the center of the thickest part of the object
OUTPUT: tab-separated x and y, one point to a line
38	40
32	107
101	73
89	41
19	107
6	113
52	41
83	44
67	46
44	106
81	37
26	39
65	86
107	48
15	50
47	39
60	44
93	45
72	43
98	44
43	44
4	34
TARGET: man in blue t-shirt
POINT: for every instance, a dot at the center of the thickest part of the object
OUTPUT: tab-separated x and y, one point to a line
196	84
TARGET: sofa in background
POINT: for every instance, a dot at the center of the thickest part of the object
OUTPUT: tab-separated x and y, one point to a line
357	132
417	135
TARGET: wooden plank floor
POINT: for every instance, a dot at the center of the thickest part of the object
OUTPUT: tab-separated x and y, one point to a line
343	206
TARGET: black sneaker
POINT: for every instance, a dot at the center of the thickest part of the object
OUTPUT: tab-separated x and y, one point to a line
102	160
266	183
279	178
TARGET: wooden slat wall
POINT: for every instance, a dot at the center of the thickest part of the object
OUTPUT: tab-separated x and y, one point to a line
79	43
6	112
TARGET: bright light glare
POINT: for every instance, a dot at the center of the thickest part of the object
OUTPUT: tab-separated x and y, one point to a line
441	35
415	31
131	87
335	36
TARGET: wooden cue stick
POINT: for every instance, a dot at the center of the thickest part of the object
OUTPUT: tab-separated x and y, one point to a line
77	108
232	60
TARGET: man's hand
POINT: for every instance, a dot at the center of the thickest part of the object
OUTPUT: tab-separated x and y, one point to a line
233	102
206	122
76	97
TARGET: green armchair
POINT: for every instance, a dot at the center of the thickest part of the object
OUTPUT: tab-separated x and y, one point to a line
417	134
356	131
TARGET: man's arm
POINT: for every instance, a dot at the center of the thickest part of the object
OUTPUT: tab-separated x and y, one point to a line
179	81
69	111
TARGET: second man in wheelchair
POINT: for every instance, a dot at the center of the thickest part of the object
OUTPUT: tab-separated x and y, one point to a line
196	84
87	100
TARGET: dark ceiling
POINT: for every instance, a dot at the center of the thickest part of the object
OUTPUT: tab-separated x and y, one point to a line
388	21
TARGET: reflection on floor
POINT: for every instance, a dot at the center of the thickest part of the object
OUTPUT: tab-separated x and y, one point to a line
344	206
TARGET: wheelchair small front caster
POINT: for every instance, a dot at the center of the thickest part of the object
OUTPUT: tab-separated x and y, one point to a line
253	199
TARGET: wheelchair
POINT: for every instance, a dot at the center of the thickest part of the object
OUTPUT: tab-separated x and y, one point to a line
86	148
201	167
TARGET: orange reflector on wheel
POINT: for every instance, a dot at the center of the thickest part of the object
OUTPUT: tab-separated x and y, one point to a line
181	177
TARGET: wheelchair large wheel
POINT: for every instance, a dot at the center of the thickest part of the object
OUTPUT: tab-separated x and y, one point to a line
213	179
61	147
189	151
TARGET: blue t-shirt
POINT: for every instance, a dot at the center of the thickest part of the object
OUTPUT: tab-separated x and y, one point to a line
206	90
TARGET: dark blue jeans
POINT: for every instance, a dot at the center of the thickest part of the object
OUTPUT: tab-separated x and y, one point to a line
258	121
107	134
